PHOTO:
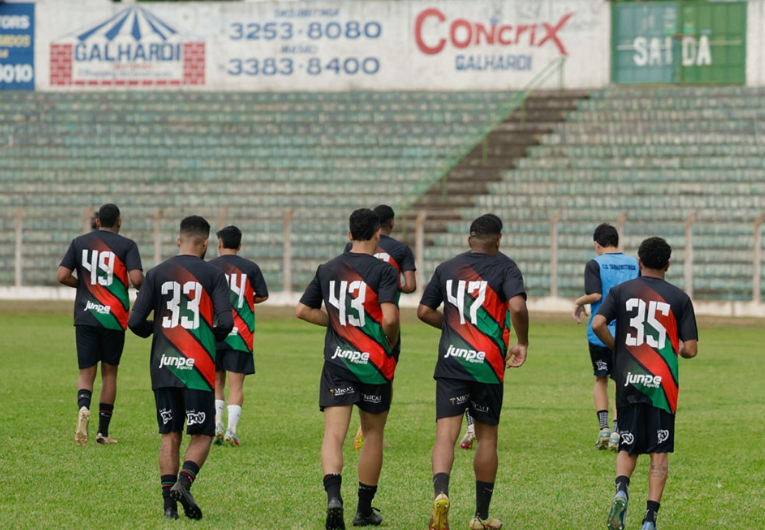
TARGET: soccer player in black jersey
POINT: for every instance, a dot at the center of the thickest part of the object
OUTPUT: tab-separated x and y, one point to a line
104	262
189	299
360	295
234	354
655	323
477	289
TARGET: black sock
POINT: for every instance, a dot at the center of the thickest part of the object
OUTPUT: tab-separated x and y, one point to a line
651	510
332	485
104	417
616	429
623	484
188	474
483	492
469	418
83	398
603	419
168	481
441	483
366	494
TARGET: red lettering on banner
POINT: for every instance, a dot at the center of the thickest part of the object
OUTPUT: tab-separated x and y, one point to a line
463	33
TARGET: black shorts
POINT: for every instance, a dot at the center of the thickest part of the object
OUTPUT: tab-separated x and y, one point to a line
335	391
237	361
646	429
602	360
96	344
176	405
454	396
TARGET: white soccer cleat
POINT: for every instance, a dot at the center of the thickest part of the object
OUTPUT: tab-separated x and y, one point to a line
603	437
81	433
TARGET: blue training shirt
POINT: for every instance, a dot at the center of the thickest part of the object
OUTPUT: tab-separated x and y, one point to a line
600	275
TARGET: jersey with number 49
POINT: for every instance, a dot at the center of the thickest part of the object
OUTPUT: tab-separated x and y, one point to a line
189	298
352	287
652	317
475	290
245	283
102	260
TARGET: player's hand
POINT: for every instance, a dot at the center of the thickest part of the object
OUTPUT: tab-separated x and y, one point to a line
578	311
517	355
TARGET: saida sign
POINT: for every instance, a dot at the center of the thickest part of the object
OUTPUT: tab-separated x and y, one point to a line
131	48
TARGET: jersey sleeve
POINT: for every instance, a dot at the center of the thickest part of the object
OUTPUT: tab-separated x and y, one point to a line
608	307
592	282
258	283
224	316
407	264
388	289
432	297
312	295
513	285
687	329
70	258
144	304
133	258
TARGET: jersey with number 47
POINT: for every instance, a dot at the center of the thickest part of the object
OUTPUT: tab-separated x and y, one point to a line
102	260
352	287
189	298
475	289
652	317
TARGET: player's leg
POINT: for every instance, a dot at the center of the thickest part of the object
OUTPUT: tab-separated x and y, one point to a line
87	361
601	365
220	403
629	448
112	343
370	466
657	479
170	416
235	400
485	463
660	429
336	420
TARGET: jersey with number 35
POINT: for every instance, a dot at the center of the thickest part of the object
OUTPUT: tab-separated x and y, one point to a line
189	298
475	289
352	287
102	260
652	317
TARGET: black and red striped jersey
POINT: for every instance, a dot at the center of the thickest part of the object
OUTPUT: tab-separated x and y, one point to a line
475	289
189	298
352	287
102	260
245	282
394	252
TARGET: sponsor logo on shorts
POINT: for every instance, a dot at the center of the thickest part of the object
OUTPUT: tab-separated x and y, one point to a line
470	356
459	400
371	398
98	308
601	366
648	381
479	408
663	435
182	363
337	392
356	357
166	415
194	418
627	437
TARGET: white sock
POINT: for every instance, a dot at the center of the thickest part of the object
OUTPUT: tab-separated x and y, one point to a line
234	411
219	403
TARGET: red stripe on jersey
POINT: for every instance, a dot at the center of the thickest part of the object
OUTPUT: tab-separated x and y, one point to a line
657	366
243	330
119	270
186	343
107	298
476	338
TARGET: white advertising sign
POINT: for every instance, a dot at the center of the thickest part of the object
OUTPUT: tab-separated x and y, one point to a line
320	46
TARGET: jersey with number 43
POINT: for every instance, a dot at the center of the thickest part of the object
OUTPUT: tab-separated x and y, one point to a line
189	298
245	283
102	260
475	290
352	287
652	317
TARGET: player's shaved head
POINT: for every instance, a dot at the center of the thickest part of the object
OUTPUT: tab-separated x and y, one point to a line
654	253
485	233
195	228
606	235
386	214
363	224
230	236
108	215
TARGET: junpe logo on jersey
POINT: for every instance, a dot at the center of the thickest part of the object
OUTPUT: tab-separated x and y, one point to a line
470	356
182	363
98	308
130	48
356	357
648	381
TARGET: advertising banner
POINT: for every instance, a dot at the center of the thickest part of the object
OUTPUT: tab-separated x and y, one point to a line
17	46
320	46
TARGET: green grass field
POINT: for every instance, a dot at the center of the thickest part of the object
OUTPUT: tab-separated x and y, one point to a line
550	475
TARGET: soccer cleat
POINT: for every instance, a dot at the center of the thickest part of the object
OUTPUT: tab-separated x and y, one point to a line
81	433
613	442
230	439
648	525
603	437
182	495
476	523
358	441
373	519
218	439
617	512
439	517
467	440
101	439
171	513
335	515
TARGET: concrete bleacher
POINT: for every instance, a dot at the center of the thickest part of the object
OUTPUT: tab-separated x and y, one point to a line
242	158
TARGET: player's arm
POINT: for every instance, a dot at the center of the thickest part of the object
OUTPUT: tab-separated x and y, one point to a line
689	349
519	316
600	328
312	314
390	322
65	277
224	315
260	299
432	317
579	303
138	320
410	282
136	278
593	289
